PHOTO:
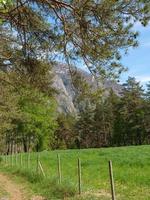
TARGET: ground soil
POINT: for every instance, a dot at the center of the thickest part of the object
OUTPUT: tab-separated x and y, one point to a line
14	190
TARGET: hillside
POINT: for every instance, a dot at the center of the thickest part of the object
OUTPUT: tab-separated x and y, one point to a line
63	84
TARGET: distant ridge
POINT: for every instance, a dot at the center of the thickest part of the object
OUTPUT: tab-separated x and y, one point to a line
66	92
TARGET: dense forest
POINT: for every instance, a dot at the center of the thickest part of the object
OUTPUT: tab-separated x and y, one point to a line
34	36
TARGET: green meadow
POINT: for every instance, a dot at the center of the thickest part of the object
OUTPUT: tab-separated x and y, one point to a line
131	168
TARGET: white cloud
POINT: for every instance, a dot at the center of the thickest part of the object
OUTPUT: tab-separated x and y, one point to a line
143	78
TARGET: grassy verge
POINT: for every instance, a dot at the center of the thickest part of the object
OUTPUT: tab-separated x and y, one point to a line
50	190
3	193
131	166
37	185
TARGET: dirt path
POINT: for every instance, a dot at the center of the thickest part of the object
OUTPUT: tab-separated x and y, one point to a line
14	190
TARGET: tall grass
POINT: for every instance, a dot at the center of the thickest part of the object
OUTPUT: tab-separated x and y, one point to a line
131	166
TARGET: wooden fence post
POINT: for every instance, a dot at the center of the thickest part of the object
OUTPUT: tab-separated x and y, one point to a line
28	160
79	175
59	169
16	159
112	181
12	159
6	158
2	157
21	159
9	159
41	168
37	163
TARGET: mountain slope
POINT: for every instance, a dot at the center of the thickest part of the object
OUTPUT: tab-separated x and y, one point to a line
66	91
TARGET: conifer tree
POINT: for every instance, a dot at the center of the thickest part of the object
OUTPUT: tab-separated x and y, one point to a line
129	126
88	31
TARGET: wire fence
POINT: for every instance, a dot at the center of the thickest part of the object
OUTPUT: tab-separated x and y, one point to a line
33	163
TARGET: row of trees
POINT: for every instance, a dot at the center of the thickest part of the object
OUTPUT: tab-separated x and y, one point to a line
30	121
27	115
36	34
110	120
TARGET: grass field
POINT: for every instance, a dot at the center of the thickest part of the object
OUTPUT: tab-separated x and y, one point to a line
131	167
3	193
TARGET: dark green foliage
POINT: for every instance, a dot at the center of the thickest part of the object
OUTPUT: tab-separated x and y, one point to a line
115	120
130	116
148	92
91	31
85	129
39	121
64	136
147	112
33	36
28	115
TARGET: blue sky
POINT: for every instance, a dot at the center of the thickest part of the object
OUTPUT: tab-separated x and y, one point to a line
138	59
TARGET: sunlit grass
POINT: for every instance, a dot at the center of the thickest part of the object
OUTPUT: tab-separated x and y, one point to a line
131	167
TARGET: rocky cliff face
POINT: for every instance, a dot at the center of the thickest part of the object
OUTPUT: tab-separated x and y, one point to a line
66	92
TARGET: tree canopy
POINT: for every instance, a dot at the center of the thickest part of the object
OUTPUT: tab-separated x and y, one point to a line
35	35
90	31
